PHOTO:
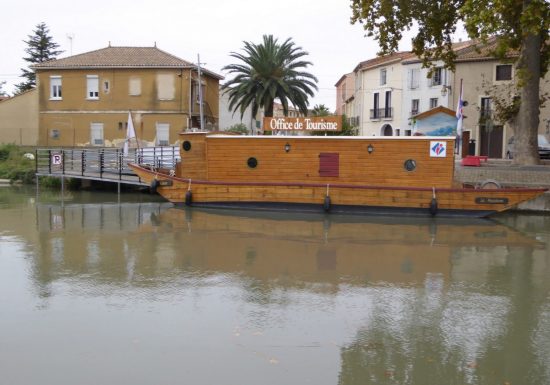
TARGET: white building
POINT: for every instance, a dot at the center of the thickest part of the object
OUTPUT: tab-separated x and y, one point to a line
229	118
378	95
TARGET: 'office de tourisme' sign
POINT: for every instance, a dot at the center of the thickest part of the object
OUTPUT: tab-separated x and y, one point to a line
313	123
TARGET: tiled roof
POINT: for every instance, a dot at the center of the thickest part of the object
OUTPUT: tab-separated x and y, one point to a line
469	50
457	47
383	60
479	52
120	57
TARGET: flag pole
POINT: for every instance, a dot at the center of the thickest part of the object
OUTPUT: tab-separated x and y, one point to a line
459	116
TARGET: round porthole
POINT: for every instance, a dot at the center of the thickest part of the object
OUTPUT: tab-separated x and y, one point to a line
186	145
252	162
410	164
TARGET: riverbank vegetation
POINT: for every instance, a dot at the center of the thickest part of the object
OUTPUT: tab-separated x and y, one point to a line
15	164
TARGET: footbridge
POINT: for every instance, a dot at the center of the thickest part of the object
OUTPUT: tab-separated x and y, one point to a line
104	164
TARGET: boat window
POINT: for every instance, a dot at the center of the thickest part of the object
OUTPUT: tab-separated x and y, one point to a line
252	162
329	164
410	164
186	145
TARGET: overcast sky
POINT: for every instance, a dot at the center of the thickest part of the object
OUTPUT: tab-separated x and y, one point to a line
211	28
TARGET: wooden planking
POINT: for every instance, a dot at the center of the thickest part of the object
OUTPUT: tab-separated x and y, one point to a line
193	162
453	199
227	161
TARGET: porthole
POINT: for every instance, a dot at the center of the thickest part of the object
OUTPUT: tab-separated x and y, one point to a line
252	162
410	164
186	145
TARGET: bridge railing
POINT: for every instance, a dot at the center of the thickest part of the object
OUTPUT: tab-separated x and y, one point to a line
102	163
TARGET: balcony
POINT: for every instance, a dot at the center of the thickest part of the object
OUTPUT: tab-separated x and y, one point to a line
381	113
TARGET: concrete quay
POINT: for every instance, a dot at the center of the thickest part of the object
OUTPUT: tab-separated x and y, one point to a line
509	175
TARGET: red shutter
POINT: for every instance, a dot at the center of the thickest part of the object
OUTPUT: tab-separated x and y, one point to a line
329	164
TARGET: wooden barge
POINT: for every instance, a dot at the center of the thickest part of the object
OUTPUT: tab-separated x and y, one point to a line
411	176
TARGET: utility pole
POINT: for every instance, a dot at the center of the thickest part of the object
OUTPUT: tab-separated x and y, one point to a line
200	92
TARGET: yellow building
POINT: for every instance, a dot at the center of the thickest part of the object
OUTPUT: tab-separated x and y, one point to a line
19	119
84	99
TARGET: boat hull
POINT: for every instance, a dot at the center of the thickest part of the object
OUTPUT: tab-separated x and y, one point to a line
336	198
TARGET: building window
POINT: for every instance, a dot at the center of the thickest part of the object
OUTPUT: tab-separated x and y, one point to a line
485	109
92	86
503	72
55	88
433	103
414	77
163	134
387	108
383	74
437	77
96	134
54	134
415	105
134	86
375	112
166	88
106	87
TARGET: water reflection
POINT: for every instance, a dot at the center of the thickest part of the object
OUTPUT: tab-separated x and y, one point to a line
325	298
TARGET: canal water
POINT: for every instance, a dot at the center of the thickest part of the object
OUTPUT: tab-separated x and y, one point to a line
99	289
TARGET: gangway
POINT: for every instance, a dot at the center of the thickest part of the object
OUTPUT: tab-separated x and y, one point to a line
102	164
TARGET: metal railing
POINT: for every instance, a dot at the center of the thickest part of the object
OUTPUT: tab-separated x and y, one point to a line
109	164
381	113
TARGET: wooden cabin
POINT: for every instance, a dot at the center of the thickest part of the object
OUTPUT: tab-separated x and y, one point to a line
376	161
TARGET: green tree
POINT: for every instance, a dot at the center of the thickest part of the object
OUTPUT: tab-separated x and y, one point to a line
40	48
517	25
320	110
269	71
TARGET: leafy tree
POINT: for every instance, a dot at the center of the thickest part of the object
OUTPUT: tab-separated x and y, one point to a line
40	48
517	25
269	70
320	110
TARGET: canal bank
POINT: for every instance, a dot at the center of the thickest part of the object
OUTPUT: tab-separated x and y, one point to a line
506	174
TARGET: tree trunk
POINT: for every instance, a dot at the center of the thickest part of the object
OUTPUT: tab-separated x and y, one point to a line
268	109
527	122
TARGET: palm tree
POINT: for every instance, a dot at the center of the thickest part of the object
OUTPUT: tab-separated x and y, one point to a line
269	71
320	110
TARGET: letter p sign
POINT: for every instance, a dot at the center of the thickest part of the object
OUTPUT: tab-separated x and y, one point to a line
56	159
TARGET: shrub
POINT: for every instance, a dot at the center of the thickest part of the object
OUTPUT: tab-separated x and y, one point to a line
14	165
238	129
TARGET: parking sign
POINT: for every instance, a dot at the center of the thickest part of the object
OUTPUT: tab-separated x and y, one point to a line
56	159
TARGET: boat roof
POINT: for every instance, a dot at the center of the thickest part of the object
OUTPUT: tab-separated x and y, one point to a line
303	137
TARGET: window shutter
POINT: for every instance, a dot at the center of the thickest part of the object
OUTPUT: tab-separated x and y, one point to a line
329	164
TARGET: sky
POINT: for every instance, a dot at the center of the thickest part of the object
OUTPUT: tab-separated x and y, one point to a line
209	28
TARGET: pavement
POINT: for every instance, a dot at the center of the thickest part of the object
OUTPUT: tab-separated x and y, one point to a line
507	174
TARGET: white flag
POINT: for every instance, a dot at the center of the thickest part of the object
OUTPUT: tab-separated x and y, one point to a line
130	133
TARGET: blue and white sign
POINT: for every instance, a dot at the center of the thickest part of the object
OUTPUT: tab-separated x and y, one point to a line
438	149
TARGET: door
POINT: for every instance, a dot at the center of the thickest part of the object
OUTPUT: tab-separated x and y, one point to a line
96	134
387	130
163	134
491	141
465	144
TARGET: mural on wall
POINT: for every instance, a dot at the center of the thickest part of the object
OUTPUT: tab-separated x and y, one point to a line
439	124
